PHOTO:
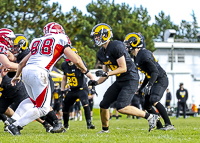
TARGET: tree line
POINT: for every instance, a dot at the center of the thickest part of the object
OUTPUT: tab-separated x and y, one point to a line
30	16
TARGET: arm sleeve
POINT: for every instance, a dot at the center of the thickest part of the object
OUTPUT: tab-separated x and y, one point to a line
154	71
144	82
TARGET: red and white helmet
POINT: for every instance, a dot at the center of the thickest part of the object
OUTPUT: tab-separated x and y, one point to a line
53	27
5	36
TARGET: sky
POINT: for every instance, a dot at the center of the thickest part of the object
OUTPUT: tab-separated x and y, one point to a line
177	9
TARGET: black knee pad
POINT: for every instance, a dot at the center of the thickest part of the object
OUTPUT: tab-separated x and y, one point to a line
153	99
84	102
103	105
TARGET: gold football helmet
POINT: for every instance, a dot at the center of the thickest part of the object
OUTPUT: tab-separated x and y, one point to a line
103	31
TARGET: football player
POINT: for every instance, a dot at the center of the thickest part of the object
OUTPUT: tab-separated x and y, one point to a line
78	89
6	43
156	80
45	52
115	57
20	50
57	100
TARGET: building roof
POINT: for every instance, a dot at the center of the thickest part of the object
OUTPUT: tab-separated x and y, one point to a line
176	45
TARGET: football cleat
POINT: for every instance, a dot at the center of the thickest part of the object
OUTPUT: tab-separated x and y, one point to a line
13	130
152	122
91	126
57	127
168	127
48	128
103	131
7	123
66	127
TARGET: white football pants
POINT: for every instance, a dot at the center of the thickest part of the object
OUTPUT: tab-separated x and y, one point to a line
37	85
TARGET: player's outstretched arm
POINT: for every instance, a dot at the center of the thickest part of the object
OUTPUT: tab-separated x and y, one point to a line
6	63
76	59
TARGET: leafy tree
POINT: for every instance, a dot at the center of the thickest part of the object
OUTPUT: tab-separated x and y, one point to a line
188	30
163	23
7	8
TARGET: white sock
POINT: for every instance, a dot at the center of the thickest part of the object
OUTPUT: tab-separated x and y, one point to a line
28	117
23	107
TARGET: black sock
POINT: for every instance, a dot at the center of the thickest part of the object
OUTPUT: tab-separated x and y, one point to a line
51	116
87	112
105	128
163	113
49	121
3	117
117	117
66	118
153	111
146	115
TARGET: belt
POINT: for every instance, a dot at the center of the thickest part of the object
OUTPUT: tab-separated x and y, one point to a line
75	89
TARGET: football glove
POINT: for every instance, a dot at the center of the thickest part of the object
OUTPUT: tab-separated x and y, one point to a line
101	73
148	90
92	83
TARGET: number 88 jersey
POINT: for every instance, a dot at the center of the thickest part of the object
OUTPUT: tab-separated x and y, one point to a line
47	50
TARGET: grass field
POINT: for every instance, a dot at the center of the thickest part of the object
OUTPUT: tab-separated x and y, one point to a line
124	130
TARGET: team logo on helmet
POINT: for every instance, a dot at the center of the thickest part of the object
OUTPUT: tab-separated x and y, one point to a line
54	28
103	31
133	40
5	36
20	44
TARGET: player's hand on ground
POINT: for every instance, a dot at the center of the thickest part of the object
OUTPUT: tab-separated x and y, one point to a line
101	73
92	83
14	80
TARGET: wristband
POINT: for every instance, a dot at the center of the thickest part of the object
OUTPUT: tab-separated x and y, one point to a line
86	71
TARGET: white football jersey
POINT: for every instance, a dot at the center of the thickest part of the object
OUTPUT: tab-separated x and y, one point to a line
3	49
47	50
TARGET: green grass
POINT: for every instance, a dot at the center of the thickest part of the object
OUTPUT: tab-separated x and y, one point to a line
126	130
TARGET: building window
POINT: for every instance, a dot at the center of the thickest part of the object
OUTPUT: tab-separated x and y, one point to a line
181	58
170	58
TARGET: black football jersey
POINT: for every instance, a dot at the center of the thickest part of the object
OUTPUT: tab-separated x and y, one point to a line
109	56
7	89
19	58
22	55
75	77
147	64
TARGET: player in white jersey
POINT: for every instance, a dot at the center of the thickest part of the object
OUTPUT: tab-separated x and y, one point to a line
35	68
6	42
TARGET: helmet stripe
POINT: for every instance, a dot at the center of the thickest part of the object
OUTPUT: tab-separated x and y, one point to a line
133	35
